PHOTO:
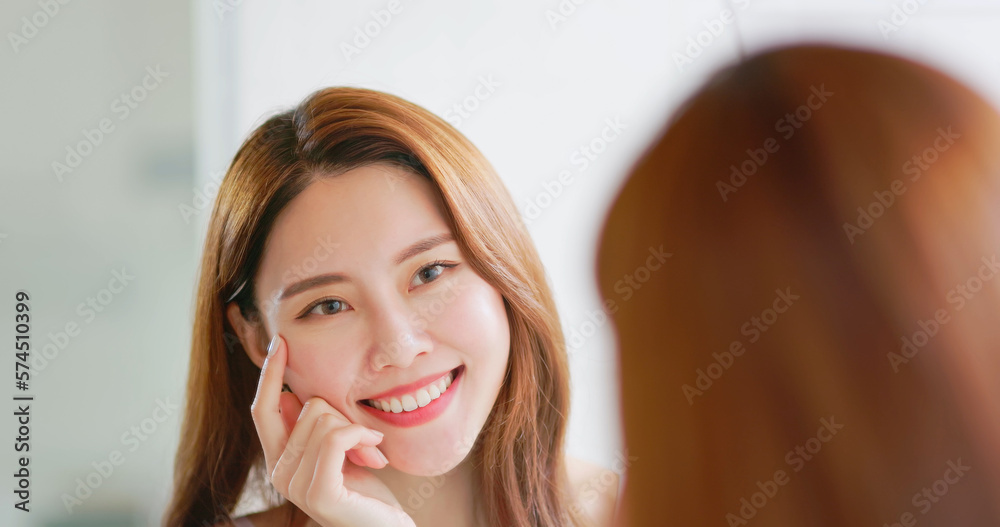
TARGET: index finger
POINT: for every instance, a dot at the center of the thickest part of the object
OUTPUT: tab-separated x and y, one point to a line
264	409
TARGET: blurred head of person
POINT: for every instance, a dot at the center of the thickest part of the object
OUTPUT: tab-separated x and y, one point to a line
822	344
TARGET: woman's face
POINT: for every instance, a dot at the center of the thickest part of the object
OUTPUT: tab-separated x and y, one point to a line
379	307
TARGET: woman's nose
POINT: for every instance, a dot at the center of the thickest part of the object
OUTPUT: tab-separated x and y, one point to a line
398	335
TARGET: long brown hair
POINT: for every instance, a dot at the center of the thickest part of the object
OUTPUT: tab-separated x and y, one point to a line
833	223
519	453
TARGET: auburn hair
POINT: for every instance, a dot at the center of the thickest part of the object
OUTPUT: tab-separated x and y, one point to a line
518	455
821	207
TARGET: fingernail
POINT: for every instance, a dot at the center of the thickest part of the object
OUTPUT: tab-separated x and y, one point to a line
376	432
272	346
381	455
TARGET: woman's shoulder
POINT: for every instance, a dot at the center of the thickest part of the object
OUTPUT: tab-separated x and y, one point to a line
276	517
595	489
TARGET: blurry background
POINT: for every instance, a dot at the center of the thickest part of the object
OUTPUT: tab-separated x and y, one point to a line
120	118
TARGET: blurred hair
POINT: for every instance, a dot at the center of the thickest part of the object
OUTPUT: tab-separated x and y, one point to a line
518	455
876	198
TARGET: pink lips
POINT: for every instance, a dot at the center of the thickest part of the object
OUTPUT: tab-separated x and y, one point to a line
420	415
408	388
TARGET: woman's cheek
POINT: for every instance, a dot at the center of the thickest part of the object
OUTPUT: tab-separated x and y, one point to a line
474	321
312	371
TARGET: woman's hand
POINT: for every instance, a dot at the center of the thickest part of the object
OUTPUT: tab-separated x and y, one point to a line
315	460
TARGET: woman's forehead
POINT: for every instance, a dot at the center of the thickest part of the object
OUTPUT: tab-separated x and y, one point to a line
352	218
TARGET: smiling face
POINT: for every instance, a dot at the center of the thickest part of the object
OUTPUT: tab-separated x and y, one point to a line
362	278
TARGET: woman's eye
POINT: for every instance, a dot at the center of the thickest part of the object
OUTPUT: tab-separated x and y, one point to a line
332	306
430	273
327	307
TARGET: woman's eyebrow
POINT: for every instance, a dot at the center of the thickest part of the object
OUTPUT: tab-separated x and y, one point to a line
422	246
315	281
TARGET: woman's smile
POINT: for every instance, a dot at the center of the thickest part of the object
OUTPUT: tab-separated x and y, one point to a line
415	403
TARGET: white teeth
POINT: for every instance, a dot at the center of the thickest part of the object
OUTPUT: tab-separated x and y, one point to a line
423	398
418	399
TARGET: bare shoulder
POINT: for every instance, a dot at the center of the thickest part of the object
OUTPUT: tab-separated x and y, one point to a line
276	517
595	489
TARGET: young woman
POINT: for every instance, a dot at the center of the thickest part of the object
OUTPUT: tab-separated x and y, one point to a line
365	255
822	344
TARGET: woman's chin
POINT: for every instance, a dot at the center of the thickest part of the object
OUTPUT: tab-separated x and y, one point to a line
428	457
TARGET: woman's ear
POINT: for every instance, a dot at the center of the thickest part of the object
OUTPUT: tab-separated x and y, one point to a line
250	333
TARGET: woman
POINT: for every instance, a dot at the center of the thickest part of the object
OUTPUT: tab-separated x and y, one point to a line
822	344
364	254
